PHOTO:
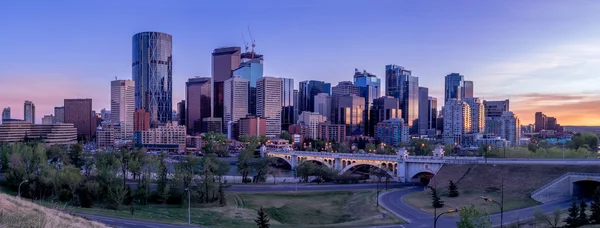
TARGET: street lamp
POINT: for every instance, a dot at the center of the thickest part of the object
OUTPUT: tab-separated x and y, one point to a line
25	181
500	204
189	207
445	212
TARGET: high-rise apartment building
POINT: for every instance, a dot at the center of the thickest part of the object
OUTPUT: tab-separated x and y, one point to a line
543	122
312	120
351	112
48	119
477	114
384	108
59	114
457	120
29	112
235	100
329	132
251	69
308	91
224	61
401	84
467	89
343	88
268	99
510	128
423	123
432	110
198	98
141	120
496	108
122	105
152	73
253	126
288	114
296	105
392	132
6	113
370	89
323	105
79	113
453	87
181	113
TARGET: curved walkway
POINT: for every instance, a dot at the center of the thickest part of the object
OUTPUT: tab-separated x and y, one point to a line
419	219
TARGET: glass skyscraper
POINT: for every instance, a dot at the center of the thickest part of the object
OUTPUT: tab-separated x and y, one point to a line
251	69
288	116
308	91
153	74
453	87
370	89
401	84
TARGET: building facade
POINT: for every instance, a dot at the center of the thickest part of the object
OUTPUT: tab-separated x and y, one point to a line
288	101
59	114
12	131
423	123
152	72
312	120
79	113
384	108
252	126
329	132
29	112
105	136
344	88
392	132
510	128
268	90
370	88
141	120
496	108
453	87
198	98
235	100
122	105
323	105
477	115
401	84
467	89
351	112
169	137
48	119
307	92
6	113
457	120
181	113
251	69
224	61
432	109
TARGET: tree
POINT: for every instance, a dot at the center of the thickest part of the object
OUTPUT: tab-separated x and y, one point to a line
222	199
71	178
449	148
75	155
260	166
286	135
116	195
343	148
436	202
582	217
305	170
542	219
452	190
162	182
421	147
262	221
532	147
244	158
370	148
595	207
216	143
573	213
471	217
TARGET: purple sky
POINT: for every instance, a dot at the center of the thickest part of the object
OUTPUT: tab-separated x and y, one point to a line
543	55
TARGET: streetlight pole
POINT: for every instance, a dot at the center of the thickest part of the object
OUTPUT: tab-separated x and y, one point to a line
445	212
500	204
25	181
189	207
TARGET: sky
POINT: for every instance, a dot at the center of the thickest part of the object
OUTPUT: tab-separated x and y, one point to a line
542	55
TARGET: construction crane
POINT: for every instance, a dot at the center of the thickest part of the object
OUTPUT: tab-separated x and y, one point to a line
253	41
245	43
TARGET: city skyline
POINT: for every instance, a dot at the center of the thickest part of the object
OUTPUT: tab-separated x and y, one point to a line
520	59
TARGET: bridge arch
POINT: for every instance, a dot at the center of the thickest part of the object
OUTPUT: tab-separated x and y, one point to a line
585	188
320	161
283	158
356	164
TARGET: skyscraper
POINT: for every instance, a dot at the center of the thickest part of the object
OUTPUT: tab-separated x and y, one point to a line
424	112
122	105
153	74
401	84
6	113
467	89
453	85
29	112
312	120
59	114
197	96
433	114
351	110
47	119
268	99
79	113
181	112
384	108
224	61
370	88
251	69
308	91
457	120
343	88
493	112
510	127
477	114
235	100
288	116
323	105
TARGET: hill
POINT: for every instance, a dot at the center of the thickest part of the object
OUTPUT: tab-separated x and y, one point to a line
15	212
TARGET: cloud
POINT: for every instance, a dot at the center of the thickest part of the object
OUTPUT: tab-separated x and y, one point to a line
568	109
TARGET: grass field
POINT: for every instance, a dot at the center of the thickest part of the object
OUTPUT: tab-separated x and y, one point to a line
305	209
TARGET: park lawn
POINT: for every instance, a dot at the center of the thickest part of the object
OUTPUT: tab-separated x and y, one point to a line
422	201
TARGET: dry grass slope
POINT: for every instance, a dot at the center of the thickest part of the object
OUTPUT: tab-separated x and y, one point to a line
20	213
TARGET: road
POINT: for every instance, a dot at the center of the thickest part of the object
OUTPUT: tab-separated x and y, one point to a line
419	219
128	223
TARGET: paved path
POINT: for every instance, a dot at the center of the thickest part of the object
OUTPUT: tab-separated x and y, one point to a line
419	219
128	223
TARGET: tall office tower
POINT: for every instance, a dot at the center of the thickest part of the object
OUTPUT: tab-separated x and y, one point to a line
29	112
467	91
401	84
343	88
251	69
540	121
122	106
296	106
323	105
453	87
477	114
370	88
423	123
181	111
224	61
433	114
79	113
6	113
510	128
235	91
308	91
384	108
197	96
268	99
351	110
312	120
457	120
153	75
493	112
141	120
551	123
59	114
106	114
288	116
47	119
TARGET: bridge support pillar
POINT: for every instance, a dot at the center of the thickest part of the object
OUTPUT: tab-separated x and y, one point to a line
294	161
401	173
337	163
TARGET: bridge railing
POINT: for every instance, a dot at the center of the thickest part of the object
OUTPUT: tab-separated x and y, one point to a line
562	177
